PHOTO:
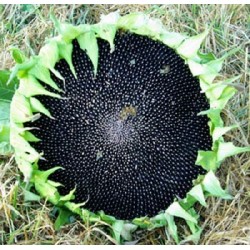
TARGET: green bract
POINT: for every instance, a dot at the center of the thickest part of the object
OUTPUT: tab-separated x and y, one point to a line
26	107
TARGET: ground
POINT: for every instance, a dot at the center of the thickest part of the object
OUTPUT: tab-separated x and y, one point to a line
223	222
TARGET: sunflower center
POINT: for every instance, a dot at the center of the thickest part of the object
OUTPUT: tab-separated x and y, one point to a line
119	132
127	138
119	129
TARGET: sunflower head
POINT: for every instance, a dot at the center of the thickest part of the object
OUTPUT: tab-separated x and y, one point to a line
120	122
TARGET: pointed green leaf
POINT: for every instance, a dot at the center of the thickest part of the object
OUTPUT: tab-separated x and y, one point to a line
206	57
187	202
54	184
172	228
21	145
197	193
142	222
214	115
190	46
213	187
207	159
17	55
195	229
28	136
69	31
208	71
25	167
132	21
88	42
226	95
159	220
204	86
212	68
44	175
69	196
21	70
117	227
20	109
20	129
127	230
151	28
227	149
110	18
47	191
196	234
63	218
37	106
43	74
176	210
215	91
220	131
197	68
75	208
23	148
107	218
29	86
106	32
49	54
65	52
6	95
29	196
172	39
28	156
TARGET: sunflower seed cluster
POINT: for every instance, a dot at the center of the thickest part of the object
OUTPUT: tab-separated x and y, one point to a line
128	137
